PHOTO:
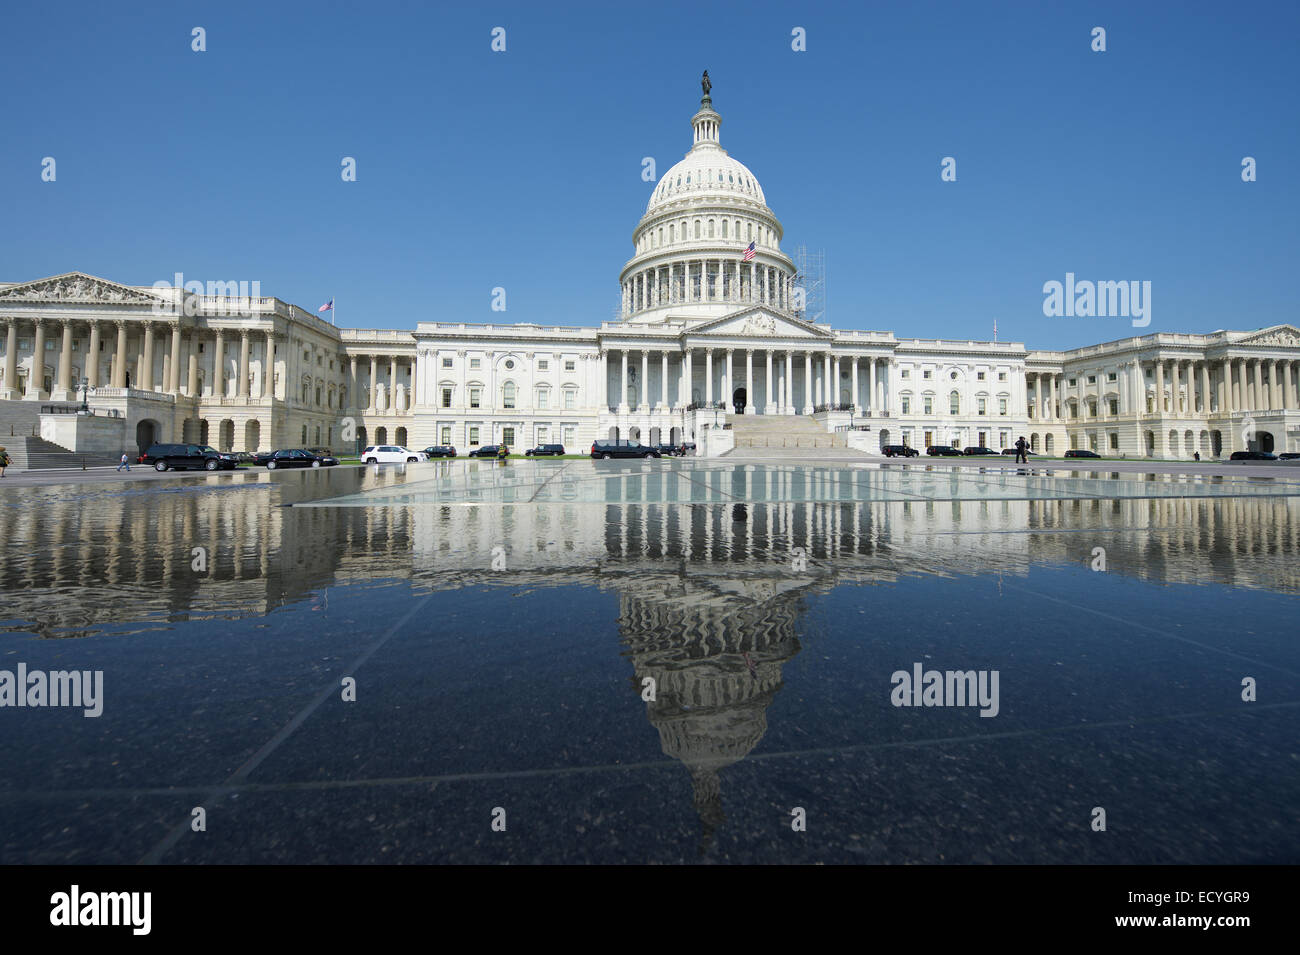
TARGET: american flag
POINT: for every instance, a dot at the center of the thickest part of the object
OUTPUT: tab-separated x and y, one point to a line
749	252
327	307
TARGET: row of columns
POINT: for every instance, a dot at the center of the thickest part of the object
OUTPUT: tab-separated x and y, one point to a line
708	280
819	389
1226	386
408	394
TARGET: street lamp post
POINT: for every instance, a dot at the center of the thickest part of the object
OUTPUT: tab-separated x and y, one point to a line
85	396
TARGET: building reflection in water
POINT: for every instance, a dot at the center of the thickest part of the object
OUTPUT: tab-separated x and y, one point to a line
711	596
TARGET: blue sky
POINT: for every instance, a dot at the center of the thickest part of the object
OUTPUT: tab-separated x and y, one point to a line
522	169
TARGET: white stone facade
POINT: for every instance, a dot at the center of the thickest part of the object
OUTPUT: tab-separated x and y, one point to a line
707	331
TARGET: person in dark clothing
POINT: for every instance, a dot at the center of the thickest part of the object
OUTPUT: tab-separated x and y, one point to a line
1022	450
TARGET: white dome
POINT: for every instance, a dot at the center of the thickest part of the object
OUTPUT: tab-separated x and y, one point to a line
706	173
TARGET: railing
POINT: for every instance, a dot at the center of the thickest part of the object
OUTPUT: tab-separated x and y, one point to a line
77	409
819	409
707	406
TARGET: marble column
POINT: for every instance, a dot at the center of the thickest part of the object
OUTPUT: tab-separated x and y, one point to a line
807	381
174	379
643	397
663	380
769	406
63	388
268	370
91	364
688	357
352	385
1160	387
241	386
1261	399
374	374
1288	395
622	399
1225	387
1205	388
728	385
219	367
857	404
192	378
36	380
146	361
9	390
749	381
708	376
787	399
119	367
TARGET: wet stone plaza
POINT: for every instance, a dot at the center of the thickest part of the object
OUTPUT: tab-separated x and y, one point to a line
664	661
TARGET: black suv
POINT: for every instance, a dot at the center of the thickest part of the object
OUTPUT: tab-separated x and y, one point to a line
183	457
981	451
485	451
300	458
1081	453
544	449
623	449
899	450
1252	456
935	450
440	451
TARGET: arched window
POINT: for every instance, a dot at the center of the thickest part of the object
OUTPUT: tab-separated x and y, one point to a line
508	395
954	403
749	230
710	228
724	228
670	235
697	228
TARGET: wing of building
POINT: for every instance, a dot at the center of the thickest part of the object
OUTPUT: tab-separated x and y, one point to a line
712	346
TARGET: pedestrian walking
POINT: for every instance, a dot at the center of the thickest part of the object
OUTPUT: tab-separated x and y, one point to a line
124	463
4	461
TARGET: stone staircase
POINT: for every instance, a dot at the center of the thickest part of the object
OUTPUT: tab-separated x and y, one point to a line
20	426
781	431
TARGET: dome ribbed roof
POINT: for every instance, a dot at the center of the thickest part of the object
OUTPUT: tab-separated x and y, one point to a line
707	172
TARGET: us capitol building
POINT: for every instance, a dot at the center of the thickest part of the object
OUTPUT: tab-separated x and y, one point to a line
711	343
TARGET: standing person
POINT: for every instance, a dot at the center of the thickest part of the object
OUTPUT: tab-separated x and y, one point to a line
4	462
1021	447
502	451
128	380
124	463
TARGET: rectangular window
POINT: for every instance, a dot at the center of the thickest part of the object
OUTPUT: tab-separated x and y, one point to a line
1114	440
568	435
543	434
983	406
444	434
569	400
907	406
446	397
979	375
1002	440
1072	382
926	373
543	397
507	436
906	373
1002	376
1092	409
1002	406
446	361
475	362
1092	379
570	365
543	364
1114	406
1110	376
473	436
474	394
929	405
954	404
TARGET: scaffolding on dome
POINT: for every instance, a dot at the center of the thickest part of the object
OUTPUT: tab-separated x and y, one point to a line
810	280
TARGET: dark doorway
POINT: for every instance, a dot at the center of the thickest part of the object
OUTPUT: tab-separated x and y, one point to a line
146	434
738	400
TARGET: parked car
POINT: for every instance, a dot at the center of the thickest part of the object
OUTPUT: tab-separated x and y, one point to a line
1252	456
1012	451
245	457
544	449
899	451
687	450
623	449
944	450
391	454
440	451
183	457
299	458
1289	456
669	450
261	457
1081	453
975	451
485	451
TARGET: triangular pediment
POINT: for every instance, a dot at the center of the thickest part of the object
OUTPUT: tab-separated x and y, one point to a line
76	287
758	322
1277	335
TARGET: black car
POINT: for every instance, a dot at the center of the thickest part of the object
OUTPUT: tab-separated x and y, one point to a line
1252	456
623	449
183	457
1014	451
299	458
544	449
974	451
1289	456
440	451
1081	453
944	450
899	451
484	451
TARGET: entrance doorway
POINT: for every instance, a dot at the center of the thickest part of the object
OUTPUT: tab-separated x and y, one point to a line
738	400
146	433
